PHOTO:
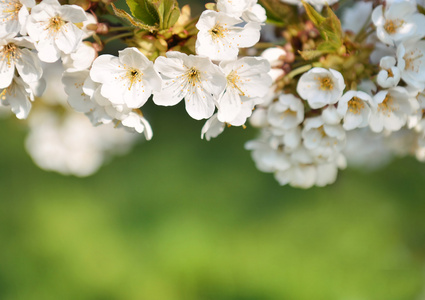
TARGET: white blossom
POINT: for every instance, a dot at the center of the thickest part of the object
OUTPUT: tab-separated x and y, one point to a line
13	14
389	76
194	78
398	22
321	87
286	113
411	62
254	13
81	59
323	140
220	37
246	78
393	107
127	79
18	95
273	55
52	27
212	128
355	17
16	54
354	106
70	145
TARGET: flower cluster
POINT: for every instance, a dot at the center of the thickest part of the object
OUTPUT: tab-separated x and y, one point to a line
304	134
310	82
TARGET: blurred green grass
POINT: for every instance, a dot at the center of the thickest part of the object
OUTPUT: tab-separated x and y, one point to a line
181	218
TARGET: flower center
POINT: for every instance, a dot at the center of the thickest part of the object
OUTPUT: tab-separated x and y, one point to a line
410	60
12	10
9	54
355	105
322	131
233	79
288	113
391	26
218	32
387	105
325	83
134	76
55	24
193	76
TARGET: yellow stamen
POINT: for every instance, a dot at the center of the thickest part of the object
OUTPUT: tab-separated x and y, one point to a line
355	105
391	26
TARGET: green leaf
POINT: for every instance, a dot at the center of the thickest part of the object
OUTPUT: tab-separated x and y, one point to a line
144	11
124	15
169	13
279	13
174	16
310	54
313	15
329	28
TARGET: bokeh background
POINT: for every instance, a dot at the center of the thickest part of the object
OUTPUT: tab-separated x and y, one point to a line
180	218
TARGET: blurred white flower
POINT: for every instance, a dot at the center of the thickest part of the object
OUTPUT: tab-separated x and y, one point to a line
286	113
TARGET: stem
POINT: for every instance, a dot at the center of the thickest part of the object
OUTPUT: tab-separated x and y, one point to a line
119	36
360	35
122	28
299	71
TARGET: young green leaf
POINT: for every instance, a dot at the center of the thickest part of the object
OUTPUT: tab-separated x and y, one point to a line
124	15
279	13
144	11
168	12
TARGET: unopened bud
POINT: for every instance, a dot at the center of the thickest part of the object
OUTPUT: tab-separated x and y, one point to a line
102	28
85	4
161	45
97	47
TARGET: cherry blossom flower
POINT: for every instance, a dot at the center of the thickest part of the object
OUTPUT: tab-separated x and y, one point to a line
13	14
321	87
52	27
127	79
389	76
16	54
286	113
220	37
194	78
393	107
18	95
354	106
398	22
246	78
411	62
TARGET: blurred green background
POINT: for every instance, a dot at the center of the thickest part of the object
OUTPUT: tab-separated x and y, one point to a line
180	218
